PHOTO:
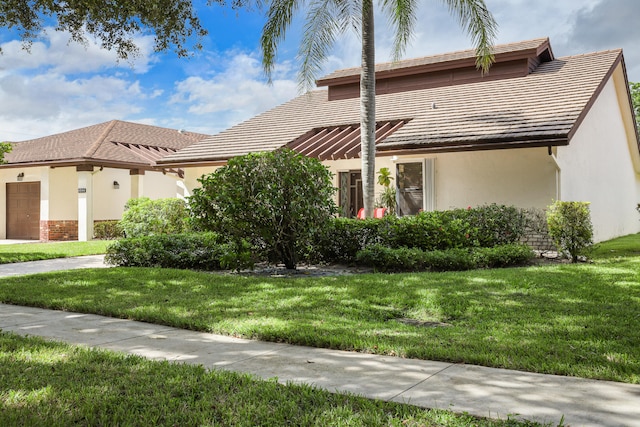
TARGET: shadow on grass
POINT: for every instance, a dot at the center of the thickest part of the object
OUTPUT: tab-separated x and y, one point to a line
45	383
581	320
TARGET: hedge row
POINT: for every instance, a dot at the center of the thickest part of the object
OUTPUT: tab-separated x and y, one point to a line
485	226
202	251
205	251
385	259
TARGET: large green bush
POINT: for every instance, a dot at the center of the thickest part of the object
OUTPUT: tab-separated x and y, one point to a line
201	251
570	227
275	201
146	217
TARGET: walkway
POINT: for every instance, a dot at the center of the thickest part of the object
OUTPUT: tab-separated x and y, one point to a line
478	390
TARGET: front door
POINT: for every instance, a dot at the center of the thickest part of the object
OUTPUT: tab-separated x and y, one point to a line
350	198
410	188
23	210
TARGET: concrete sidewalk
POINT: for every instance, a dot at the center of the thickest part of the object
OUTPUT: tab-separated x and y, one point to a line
58	264
482	391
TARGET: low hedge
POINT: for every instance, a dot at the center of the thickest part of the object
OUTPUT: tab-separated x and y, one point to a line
387	259
202	251
484	226
108	230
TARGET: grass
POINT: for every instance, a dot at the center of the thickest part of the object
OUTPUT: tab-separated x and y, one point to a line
53	384
22	252
580	320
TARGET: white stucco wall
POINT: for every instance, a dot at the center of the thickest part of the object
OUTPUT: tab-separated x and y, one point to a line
597	165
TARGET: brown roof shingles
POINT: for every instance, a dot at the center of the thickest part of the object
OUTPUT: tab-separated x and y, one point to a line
540	108
98	144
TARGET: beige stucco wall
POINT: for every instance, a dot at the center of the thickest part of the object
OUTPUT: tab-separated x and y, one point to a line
523	177
192	174
597	165
520	177
63	194
108	202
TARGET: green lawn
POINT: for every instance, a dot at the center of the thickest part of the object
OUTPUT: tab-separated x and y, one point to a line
22	252
51	384
581	320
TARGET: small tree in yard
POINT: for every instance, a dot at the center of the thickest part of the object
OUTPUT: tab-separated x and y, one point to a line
274	200
570	227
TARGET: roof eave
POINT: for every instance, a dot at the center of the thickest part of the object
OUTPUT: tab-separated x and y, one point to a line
412	148
81	162
214	161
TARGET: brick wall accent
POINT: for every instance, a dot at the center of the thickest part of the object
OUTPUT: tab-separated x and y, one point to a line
58	230
539	241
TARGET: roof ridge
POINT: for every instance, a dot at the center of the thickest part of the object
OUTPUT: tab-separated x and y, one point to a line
598	52
94	147
539	40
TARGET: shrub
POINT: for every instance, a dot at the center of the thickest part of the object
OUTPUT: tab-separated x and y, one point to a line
202	251
275	201
341	239
437	230
570	227
386	259
108	230
146	217
508	255
495	224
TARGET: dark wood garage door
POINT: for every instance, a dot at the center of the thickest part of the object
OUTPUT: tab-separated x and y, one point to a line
23	210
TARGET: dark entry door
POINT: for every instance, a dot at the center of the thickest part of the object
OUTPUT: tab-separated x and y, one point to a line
23	210
351	198
410	188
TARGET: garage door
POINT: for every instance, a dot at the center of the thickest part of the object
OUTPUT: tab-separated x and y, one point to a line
23	210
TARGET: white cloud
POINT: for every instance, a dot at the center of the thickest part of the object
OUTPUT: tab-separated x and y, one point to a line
49	103
235	93
58	54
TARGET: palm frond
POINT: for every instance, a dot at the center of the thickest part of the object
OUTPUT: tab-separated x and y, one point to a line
476	19
325	20
402	16
279	17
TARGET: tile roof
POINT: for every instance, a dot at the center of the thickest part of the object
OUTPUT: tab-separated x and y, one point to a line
542	108
523	48
110	143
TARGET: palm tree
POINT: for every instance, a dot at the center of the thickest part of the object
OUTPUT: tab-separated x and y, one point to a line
327	18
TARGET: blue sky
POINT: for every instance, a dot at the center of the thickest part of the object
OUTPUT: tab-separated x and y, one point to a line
60	86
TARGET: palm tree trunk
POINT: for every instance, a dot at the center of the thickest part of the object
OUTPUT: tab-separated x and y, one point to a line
368	108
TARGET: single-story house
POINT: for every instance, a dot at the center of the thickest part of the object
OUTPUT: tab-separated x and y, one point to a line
56	187
532	130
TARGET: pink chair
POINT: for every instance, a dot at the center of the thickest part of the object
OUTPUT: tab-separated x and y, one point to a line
361	213
379	212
